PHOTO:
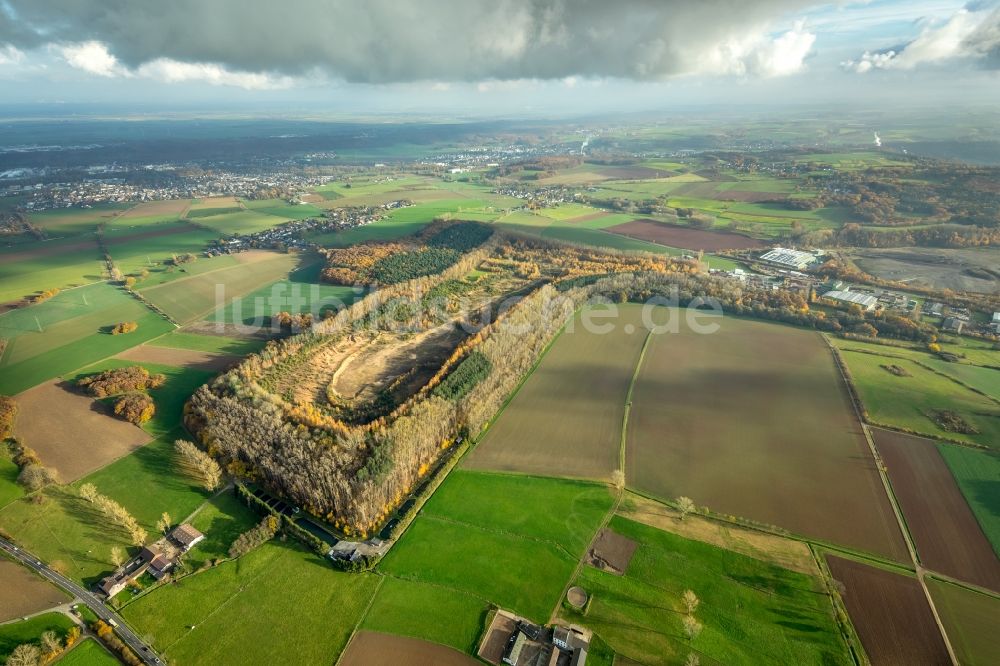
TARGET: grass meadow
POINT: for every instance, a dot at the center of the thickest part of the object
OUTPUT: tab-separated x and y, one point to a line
277	604
752	612
515	553
74	334
977	474
88	653
907	401
969	617
190	298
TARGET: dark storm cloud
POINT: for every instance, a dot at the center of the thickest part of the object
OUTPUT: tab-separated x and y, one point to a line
398	40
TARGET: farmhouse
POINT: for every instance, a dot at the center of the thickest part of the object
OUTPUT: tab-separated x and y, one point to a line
157	559
515	641
953	324
866	301
788	259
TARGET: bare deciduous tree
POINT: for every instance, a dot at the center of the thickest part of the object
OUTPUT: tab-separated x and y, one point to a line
685	505
691	601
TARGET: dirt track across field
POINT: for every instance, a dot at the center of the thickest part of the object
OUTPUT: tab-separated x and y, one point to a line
890	613
948	537
369	648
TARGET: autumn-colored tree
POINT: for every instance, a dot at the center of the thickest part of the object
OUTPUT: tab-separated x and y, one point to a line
8	412
52	645
135	408
124	327
163	524
117	556
198	464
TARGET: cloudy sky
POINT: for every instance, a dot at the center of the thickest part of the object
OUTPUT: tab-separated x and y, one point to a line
500	56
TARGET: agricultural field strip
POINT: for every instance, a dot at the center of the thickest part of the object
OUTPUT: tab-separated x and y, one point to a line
928	368
918	568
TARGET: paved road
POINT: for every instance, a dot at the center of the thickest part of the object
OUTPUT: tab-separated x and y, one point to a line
144	651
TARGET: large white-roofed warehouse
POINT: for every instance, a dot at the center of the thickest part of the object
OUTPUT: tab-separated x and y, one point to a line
790	259
866	301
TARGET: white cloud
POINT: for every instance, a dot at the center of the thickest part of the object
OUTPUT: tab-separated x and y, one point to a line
93	57
971	34
757	54
10	55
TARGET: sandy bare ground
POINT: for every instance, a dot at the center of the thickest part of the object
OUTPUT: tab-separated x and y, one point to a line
181	358
23	593
971	269
73	433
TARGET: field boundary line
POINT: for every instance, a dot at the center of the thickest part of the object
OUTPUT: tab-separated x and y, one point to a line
919	570
628	400
364	614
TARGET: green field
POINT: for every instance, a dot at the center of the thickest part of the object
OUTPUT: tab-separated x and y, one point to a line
88	653
429	612
33	267
240	222
281	208
146	482
969	617
591	233
219	344
30	631
277	604
978	476
59	222
169	398
499	502
74	334
497	548
401	222
221	519
10	490
302	292
752	612
905	402
192	297
152	248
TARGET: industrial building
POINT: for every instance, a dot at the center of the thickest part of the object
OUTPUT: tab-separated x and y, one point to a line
789	259
867	302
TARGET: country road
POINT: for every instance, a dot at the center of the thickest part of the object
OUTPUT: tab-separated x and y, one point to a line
143	651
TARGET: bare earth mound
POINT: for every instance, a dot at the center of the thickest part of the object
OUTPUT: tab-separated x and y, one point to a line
369	648
972	269
71	432
947	535
180	358
685	237
754	420
23	593
611	552
890	614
